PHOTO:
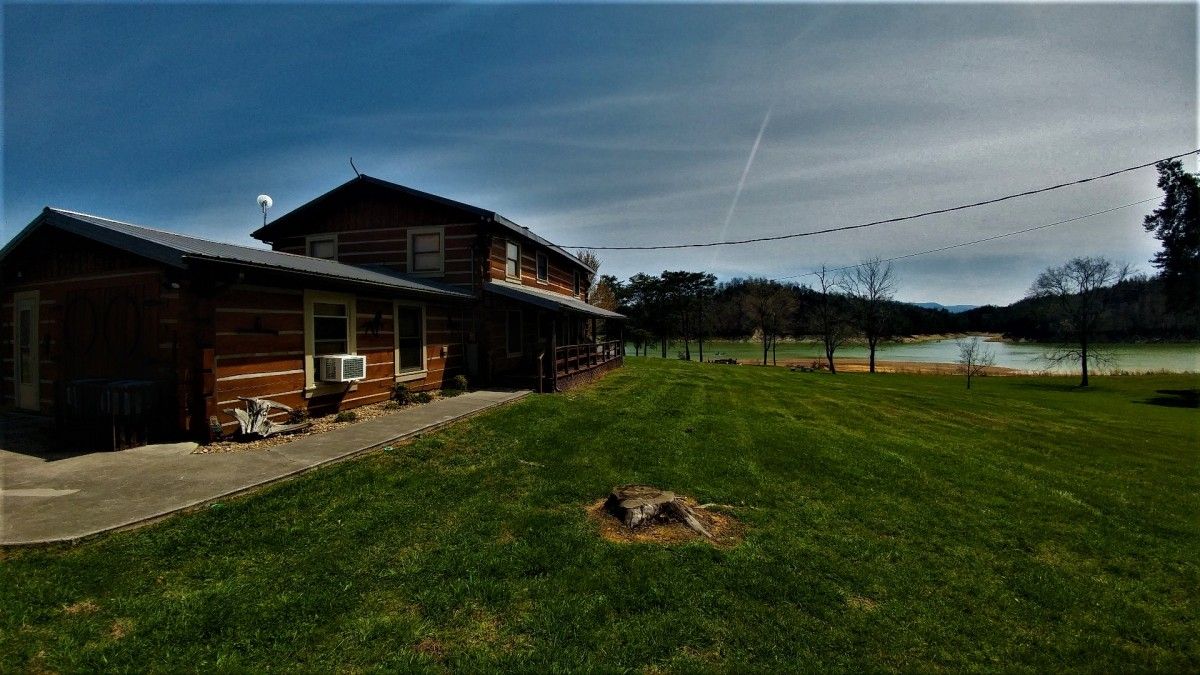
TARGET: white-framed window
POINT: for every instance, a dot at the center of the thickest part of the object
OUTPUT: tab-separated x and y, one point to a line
410	340
329	328
512	332
543	267
512	260
321	246
426	250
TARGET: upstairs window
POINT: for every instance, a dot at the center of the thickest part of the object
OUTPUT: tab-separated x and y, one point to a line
322	246
543	268
425	251
512	261
578	283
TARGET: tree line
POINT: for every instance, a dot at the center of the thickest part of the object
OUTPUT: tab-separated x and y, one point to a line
1079	303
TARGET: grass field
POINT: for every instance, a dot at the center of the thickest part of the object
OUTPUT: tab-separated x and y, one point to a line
892	522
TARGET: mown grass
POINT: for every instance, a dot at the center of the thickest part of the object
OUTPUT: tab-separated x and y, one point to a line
893	522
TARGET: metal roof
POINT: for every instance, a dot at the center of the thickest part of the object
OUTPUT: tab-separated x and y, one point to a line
176	250
484	214
547	299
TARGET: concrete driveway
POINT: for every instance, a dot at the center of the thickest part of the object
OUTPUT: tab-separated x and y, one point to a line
63	497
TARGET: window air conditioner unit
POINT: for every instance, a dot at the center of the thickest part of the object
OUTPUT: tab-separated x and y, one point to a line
341	368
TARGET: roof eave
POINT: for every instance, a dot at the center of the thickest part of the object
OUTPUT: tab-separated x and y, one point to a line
133	245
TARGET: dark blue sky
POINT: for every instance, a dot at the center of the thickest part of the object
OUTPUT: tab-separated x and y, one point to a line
619	124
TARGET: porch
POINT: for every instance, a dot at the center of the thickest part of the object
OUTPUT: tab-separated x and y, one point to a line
559	337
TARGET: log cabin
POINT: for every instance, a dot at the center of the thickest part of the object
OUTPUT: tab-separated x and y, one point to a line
369	286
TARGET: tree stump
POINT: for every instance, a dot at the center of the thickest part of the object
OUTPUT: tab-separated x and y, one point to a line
638	505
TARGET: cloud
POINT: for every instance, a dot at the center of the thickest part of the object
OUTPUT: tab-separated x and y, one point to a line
626	124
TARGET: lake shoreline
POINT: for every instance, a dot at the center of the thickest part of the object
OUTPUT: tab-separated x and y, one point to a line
939	354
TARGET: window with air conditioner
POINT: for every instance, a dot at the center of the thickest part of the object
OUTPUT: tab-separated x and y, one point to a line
329	335
330	328
426	250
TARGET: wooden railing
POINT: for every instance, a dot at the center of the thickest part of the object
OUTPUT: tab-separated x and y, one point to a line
574	358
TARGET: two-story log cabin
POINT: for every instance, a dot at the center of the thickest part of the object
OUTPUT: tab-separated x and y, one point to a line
423	287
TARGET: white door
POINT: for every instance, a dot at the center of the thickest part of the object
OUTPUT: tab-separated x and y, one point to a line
25	323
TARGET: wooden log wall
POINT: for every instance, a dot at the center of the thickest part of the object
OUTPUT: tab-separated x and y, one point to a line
389	246
102	314
371	225
560	279
259	351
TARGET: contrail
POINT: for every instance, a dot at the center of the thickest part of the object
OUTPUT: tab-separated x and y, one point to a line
737	194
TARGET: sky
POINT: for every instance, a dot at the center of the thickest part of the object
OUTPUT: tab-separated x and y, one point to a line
609	125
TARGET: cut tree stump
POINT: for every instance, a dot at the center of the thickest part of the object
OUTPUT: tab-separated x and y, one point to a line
638	505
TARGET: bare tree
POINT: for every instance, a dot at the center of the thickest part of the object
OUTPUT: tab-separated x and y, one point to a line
828	316
871	286
769	306
1079	288
973	358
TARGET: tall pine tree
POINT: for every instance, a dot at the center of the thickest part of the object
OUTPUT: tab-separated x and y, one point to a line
1176	223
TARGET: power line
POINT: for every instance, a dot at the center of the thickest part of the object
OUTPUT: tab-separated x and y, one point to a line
887	220
976	241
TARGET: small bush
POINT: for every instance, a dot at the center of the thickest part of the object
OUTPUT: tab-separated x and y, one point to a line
401	394
451	393
460	383
422	397
346	416
297	415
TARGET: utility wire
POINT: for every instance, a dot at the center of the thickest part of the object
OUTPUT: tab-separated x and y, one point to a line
976	241
887	220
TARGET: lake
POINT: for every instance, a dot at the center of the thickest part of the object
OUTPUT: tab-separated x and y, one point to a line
1019	356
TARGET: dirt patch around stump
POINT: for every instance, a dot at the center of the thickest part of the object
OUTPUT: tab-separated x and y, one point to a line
726	530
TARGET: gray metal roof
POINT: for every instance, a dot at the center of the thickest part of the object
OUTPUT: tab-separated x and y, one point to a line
548	300
176	250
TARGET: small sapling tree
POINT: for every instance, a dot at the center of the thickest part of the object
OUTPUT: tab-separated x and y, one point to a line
973	358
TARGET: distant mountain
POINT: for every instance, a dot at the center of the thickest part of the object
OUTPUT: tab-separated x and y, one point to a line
953	309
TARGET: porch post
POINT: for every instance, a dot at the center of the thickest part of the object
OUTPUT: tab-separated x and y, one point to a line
553	356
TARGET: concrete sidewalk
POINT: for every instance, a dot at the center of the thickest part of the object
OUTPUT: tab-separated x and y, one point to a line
44	500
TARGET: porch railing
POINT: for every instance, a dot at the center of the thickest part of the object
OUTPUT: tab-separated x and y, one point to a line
574	358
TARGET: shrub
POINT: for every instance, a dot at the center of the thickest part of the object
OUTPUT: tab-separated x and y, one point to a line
297	415
451	393
346	416
460	383
401	394
422	397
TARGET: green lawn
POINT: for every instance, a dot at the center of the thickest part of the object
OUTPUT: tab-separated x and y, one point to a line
892	522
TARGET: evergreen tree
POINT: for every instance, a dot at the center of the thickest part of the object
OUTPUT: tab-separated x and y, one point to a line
1176	223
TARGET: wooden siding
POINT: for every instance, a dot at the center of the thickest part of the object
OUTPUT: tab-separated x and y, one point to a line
560	278
372	229
103	314
260	352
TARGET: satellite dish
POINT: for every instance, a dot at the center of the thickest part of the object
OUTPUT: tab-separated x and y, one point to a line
264	203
